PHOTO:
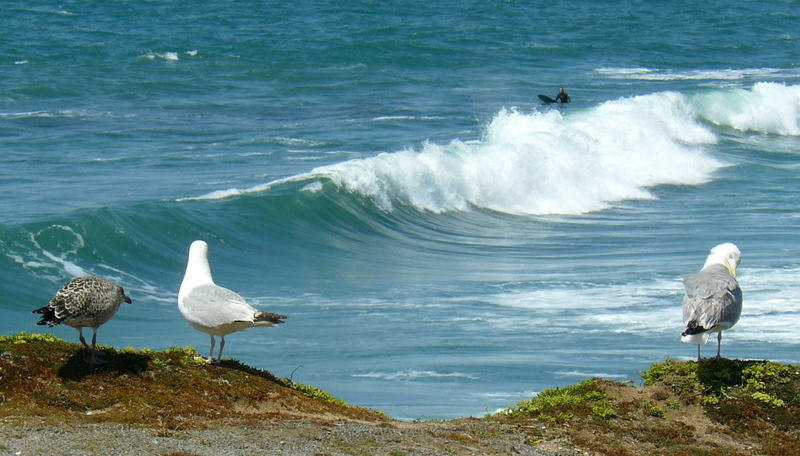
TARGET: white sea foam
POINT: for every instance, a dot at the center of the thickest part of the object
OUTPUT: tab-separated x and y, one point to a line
68	113
766	108
411	375
543	162
729	74
651	306
231	192
50	254
589	374
390	118
169	56
313	187
505	395
771	307
539	162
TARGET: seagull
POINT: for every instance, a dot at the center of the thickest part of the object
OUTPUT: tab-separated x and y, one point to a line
212	309
84	301
713	300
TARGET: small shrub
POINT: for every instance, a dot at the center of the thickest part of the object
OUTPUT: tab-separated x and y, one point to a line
709	400
674	405
653	410
770	400
757	375
659	372
604	412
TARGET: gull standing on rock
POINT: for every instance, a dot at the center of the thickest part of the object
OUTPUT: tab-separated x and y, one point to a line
713	300
212	309
84	301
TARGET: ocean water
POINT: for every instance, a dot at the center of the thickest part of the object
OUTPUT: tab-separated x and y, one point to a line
383	172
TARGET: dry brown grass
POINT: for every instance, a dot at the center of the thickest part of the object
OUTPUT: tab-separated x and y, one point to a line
42	376
715	408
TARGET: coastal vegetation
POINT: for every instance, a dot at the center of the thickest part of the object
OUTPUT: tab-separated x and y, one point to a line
717	407
714	408
46	377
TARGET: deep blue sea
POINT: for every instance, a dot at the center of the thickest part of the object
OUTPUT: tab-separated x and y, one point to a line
383	172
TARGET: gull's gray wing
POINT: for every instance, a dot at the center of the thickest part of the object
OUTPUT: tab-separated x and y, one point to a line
712	297
212	305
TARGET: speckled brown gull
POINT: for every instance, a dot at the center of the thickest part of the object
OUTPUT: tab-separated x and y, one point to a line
212	309
84	302
713	300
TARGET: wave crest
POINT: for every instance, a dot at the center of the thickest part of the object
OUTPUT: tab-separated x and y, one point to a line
553	162
544	162
766	108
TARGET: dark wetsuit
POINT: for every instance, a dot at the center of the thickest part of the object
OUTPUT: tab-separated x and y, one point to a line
562	97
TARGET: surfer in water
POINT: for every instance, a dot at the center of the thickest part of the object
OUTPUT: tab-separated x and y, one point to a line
562	97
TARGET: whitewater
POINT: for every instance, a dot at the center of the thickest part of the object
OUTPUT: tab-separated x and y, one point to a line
544	162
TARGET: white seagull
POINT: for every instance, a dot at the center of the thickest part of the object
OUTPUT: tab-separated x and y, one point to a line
212	309
713	300
84	301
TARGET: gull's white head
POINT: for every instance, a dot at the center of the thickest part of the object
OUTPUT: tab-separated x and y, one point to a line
198	249
198	271
727	255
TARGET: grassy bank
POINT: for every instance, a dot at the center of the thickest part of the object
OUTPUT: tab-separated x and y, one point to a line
46	377
714	408
717	407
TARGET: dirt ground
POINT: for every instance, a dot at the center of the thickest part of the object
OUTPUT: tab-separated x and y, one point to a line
282	437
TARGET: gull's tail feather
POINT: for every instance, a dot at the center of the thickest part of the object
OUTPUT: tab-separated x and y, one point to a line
49	317
693	328
268	317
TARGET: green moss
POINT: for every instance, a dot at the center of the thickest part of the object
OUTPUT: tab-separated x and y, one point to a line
708	383
755	404
659	372
41	375
316	393
756	400
680	377
756	376
25	338
562	404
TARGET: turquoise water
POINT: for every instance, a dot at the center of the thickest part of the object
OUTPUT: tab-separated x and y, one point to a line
384	173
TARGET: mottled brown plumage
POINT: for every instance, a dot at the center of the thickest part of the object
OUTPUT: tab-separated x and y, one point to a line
84	301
